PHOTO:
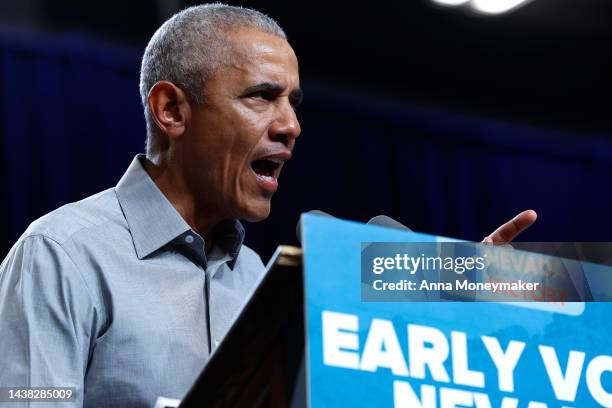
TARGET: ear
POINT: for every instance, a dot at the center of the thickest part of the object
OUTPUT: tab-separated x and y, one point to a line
170	108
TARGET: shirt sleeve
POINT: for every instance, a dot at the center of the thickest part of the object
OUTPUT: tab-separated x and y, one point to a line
47	317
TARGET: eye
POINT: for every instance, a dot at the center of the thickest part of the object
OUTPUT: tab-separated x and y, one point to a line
295	102
268	96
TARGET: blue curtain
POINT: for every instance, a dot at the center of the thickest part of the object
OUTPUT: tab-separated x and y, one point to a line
71	121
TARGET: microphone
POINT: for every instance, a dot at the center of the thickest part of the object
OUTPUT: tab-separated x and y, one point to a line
384	221
298	227
380	220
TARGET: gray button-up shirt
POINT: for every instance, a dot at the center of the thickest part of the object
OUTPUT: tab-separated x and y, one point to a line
114	295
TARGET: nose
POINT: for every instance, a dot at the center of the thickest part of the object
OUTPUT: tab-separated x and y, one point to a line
286	128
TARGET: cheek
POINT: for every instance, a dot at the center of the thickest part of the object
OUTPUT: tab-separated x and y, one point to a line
249	135
252	122
232	136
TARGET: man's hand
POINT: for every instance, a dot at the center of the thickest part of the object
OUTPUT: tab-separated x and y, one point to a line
511	229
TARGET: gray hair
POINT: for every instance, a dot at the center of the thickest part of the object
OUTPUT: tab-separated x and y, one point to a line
189	48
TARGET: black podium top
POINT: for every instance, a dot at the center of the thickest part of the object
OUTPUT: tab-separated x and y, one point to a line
257	363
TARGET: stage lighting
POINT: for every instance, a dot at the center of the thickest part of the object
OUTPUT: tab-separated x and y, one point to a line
450	2
486	7
496	6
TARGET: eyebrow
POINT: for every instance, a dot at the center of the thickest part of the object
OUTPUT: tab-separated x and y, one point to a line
295	97
264	86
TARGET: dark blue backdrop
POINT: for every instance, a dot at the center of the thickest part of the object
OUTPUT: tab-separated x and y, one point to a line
71	122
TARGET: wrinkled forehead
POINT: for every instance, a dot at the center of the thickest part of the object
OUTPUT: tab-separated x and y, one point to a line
258	56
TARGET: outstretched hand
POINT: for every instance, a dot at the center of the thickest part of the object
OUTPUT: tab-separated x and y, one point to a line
511	229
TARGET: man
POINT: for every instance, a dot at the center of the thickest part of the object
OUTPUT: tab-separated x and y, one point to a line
125	294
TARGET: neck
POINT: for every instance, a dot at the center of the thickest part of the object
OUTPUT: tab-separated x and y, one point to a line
171	182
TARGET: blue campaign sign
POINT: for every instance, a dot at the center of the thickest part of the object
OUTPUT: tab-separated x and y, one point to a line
441	354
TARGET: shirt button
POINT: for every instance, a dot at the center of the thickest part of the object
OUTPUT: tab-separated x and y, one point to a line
216	342
189	239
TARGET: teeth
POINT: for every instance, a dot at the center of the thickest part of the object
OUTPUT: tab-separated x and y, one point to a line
277	161
266	178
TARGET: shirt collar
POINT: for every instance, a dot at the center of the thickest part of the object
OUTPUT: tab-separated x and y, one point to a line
154	222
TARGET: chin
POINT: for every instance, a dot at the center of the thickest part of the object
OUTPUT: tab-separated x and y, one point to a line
256	213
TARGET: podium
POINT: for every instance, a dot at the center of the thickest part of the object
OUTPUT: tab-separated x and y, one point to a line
315	334
258	362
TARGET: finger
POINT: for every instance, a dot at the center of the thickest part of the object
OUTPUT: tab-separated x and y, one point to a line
512	228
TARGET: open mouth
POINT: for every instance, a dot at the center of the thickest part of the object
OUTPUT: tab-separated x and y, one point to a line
267	168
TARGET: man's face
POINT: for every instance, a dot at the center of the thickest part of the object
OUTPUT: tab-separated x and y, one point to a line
240	138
